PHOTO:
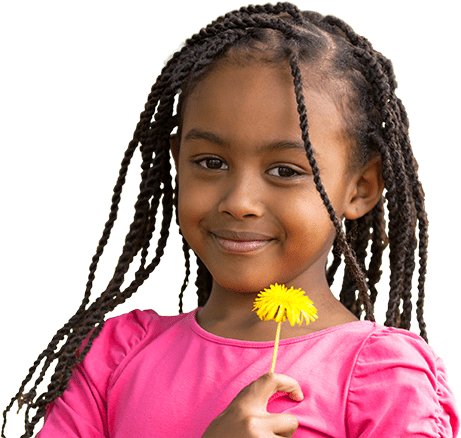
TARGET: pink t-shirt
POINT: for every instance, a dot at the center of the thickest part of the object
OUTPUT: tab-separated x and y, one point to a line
164	376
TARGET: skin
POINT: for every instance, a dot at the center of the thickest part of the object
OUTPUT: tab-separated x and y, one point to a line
249	208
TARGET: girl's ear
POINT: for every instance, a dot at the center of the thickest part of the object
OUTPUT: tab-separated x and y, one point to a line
174	146
369	186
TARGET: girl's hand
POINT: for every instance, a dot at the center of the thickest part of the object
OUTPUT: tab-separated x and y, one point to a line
247	416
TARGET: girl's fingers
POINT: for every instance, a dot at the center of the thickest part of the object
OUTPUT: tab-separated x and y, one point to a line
260	391
247	414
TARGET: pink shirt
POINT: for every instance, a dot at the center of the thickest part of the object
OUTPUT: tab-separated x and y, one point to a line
164	376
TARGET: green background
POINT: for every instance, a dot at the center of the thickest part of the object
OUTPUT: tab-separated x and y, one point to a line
75	77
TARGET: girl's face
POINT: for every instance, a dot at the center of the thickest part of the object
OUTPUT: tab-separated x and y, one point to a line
248	205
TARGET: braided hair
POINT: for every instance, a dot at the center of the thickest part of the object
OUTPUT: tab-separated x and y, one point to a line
376	122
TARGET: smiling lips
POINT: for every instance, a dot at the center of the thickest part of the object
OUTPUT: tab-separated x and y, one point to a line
241	242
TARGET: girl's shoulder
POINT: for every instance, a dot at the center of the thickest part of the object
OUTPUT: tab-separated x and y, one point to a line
138	324
402	344
396	368
388	350
122	337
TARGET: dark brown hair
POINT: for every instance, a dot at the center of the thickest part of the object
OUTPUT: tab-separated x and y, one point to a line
376	122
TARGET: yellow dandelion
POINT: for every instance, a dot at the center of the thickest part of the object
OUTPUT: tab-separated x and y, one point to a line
279	304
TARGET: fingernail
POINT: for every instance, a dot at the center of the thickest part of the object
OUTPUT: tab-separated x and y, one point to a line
297	396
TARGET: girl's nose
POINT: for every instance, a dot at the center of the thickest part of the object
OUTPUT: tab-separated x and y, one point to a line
242	198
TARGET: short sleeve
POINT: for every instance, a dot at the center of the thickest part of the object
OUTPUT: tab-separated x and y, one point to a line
82	410
399	389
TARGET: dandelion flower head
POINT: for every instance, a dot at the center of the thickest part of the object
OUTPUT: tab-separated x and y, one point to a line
279	303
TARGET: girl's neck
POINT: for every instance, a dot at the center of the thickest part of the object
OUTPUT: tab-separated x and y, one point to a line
229	314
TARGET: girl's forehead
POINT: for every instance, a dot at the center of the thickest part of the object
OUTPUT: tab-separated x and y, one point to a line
258	101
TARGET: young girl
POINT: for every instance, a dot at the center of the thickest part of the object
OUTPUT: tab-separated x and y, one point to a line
285	135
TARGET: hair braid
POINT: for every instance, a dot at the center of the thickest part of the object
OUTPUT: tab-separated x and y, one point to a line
422	252
405	316
379	244
204	282
345	247
269	9
421	217
331	271
347	295
185	248
358	231
400	245
186	251
288	8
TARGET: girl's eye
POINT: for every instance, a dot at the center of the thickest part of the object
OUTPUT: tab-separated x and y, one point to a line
213	163
283	172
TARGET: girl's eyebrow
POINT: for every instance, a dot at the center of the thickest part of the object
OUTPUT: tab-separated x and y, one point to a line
197	134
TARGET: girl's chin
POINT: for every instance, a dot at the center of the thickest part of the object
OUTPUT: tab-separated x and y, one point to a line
242	287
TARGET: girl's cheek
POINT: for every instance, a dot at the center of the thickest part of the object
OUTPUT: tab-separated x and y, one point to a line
193	207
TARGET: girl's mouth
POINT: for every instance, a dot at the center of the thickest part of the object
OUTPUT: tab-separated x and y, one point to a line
241	242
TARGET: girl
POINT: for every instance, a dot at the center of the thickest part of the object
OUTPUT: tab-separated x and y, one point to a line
287	125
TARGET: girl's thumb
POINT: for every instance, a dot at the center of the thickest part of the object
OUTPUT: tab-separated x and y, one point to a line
261	390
